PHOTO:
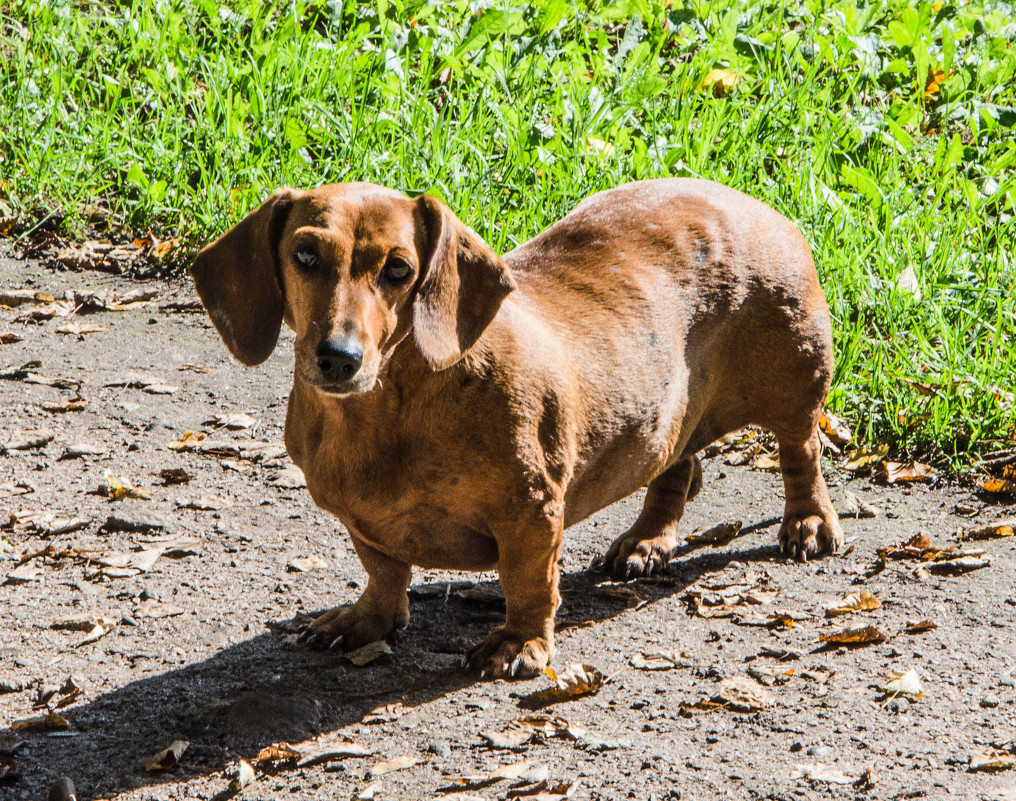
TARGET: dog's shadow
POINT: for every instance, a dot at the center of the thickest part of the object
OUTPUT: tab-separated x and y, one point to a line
269	688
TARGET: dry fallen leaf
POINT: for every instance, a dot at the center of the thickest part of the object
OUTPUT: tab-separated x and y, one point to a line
862	601
275	756
120	487
962	563
864	457
328	748
997	530
823	774
188	441
168	758
712	599
206	503
992	761
81	329
661	660
369	652
717	536
60	407
156	610
103	626
26	440
575	681
919	626
908	683
243	776
907	472
545	791
999	486
917	547
908	283
234	422
174	475
367	793
51	721
17	297
835	429
768	462
304	564
399	763
49	523
742	695
867	635
631	598
525	771
521	730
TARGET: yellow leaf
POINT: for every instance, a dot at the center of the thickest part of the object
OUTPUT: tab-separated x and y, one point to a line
868	635
933	83
865	457
720	82
906	472
836	430
996	530
187	441
574	682
999	486
276	754
862	601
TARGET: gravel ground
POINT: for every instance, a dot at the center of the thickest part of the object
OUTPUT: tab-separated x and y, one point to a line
197	593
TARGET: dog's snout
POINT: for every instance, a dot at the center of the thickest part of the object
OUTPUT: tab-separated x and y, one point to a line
339	359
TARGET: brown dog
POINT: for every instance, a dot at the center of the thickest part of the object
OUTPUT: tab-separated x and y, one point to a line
458	410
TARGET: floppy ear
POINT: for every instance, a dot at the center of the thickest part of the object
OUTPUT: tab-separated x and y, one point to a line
461	289
237	278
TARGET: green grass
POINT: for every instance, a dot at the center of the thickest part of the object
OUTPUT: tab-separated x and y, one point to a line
181	115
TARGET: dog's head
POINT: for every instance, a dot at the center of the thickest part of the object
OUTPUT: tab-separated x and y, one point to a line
353	269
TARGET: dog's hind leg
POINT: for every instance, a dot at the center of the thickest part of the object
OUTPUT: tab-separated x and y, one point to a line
810	526
648	545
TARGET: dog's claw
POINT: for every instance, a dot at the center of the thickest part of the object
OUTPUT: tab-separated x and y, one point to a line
516	666
336	643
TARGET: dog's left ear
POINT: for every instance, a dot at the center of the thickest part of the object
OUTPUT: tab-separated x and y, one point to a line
461	288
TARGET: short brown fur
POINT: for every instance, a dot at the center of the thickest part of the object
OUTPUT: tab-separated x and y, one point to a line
499	401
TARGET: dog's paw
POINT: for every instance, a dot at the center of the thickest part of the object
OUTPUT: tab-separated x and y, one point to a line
348	627
503	655
803	536
633	557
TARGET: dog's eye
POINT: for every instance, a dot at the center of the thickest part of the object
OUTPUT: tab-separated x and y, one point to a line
398	270
306	258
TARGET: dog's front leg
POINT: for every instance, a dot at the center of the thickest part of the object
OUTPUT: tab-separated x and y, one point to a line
528	568
382	610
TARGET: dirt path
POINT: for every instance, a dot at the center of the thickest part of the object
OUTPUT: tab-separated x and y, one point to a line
200	585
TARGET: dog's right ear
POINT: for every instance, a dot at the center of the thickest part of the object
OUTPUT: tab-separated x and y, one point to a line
237	278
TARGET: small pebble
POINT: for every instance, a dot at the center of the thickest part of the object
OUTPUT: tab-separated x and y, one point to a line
820	751
989	702
442	749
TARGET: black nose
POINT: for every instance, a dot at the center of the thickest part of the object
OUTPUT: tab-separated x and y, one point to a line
339	359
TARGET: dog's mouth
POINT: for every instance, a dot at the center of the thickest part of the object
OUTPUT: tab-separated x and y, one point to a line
364	381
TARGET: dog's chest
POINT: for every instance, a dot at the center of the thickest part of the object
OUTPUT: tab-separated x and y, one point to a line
407	499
